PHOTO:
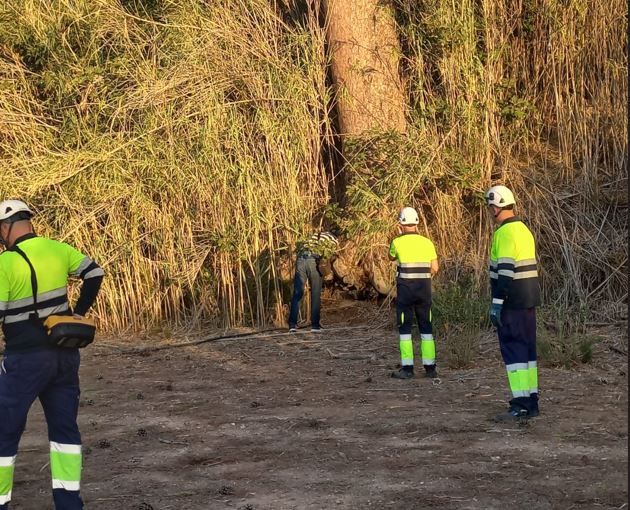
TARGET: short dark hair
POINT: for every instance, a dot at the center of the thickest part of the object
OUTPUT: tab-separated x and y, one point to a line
508	207
18	216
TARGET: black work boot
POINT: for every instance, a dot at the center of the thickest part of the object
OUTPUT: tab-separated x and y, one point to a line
405	372
513	415
430	371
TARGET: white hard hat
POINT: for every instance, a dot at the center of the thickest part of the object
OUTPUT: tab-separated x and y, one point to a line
9	208
408	216
499	196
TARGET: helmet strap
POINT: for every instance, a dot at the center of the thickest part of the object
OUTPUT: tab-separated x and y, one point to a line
3	241
496	211
9	233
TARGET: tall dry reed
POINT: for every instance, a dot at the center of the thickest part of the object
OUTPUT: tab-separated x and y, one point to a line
180	144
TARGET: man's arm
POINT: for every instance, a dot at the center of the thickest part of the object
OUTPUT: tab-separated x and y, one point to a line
435	267
506	260
4	295
92	275
92	279
393	255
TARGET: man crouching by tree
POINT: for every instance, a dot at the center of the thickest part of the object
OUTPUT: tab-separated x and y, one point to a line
312	265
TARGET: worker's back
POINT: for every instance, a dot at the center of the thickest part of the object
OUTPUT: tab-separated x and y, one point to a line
53	262
414	254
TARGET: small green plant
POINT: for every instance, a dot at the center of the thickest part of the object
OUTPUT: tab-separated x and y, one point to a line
562	336
459	344
459	303
458	315
565	348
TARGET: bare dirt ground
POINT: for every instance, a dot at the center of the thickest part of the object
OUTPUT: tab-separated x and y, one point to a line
314	422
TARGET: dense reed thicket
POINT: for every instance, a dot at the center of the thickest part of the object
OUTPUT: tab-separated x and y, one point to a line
530	93
181	144
178	145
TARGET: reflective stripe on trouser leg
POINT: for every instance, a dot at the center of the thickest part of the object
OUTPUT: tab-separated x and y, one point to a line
65	466
406	350
427	347
518	377
532	369
6	478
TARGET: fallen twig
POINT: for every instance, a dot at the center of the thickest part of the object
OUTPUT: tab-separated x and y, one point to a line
618	351
168	441
252	335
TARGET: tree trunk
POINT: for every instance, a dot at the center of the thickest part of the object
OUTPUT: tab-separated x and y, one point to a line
370	98
365	53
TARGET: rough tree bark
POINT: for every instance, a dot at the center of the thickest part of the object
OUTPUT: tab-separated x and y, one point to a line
370	97
365	54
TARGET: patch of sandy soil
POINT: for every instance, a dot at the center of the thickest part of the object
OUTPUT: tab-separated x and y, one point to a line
313	421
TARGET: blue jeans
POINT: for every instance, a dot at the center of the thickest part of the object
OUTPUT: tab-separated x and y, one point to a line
306	270
52	375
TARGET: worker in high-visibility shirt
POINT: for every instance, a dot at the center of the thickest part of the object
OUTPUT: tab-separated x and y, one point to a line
417	263
515	296
32	367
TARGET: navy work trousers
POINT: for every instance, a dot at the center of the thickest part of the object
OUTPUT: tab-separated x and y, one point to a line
517	341
52	375
413	297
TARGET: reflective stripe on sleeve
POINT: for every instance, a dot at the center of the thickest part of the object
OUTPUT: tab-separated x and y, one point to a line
525	274
82	266
97	271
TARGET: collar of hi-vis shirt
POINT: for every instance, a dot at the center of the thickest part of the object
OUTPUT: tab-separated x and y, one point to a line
25	237
511	219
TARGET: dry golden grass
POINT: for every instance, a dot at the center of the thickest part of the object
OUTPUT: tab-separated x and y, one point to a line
180	144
